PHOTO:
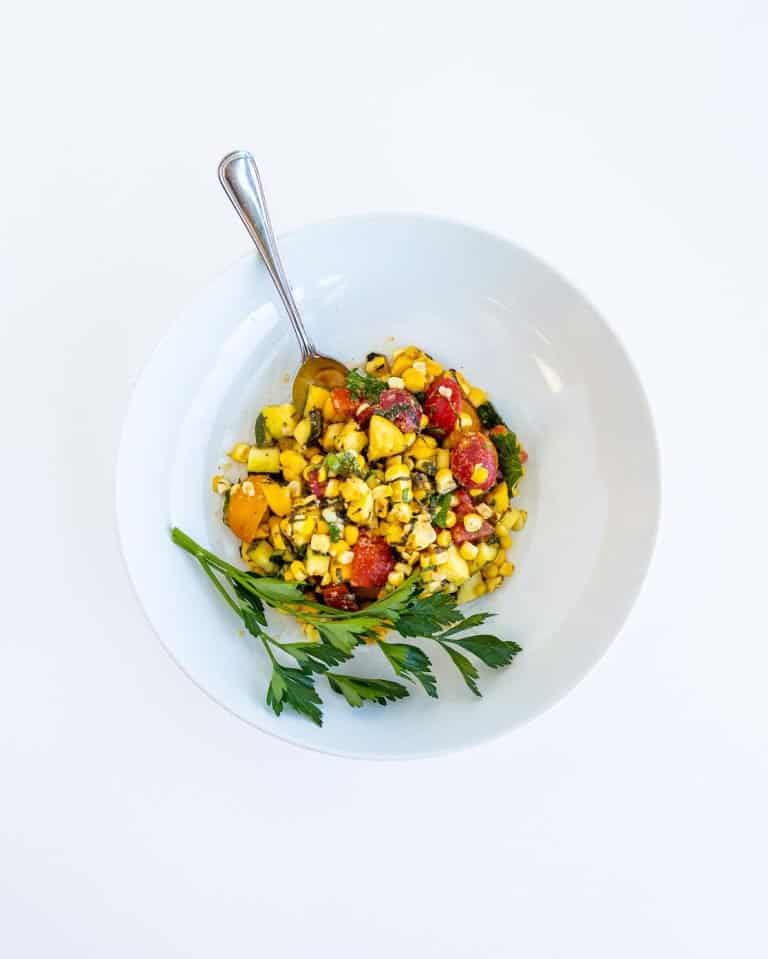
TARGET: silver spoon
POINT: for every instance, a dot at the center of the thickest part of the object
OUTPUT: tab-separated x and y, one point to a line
239	176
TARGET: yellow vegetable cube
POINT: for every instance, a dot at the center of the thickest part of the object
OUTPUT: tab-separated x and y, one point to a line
385	438
293	464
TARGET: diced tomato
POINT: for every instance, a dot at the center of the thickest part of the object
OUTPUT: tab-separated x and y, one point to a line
402	408
363	412
465	504
340	597
317	487
461	535
373	561
523	456
499	430
473	450
442	404
343	403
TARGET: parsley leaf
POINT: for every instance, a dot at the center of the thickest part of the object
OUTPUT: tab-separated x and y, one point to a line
427	615
343	464
467	669
275	592
494	652
411	663
251	609
469	622
334	531
295	688
440	506
357	689
346	635
509	458
361	385
315	657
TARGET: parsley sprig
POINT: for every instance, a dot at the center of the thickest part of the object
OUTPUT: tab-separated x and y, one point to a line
363	386
407	610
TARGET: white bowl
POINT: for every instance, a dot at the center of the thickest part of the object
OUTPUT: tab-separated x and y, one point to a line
551	365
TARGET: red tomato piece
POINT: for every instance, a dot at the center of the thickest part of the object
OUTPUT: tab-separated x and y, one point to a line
373	561
465	504
442	404
523	456
317	487
461	535
402	408
343	403
340	597
474	449
363	412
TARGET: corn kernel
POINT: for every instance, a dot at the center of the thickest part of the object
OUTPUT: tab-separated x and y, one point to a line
443	460
463	383
298	571
468	551
410	439
479	473
395	578
424	420
472	522
450	519
484	510
239	453
320	542
396	471
376	365
444	538
493	584
338	548
400	364
481	589
332	489
507	569
302	431
355	440
395	383
444	481
465	420
400	513
395	533
430	441
288	576
219	485
477	396
415	380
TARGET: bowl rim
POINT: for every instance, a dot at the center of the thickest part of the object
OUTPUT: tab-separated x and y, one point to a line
655	477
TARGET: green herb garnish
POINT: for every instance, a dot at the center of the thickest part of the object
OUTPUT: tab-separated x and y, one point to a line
363	386
439	504
406	610
509	458
334	531
343	464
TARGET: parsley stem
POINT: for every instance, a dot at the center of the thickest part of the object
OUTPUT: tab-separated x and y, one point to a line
215	580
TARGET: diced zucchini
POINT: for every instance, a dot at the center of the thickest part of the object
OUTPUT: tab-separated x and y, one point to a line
486	553
302	432
385	438
262	434
316	563
498	498
316	397
264	460
316	425
281	420
261	557
455	568
467	590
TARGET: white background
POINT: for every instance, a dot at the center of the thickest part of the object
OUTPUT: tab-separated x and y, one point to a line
625	143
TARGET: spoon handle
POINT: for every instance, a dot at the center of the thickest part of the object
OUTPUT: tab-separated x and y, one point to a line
239	176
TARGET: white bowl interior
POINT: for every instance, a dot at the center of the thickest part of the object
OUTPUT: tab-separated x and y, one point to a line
551	365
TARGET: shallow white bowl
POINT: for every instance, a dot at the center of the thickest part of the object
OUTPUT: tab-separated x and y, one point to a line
556	372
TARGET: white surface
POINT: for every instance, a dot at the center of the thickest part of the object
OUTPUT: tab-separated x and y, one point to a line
624	144
477	302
